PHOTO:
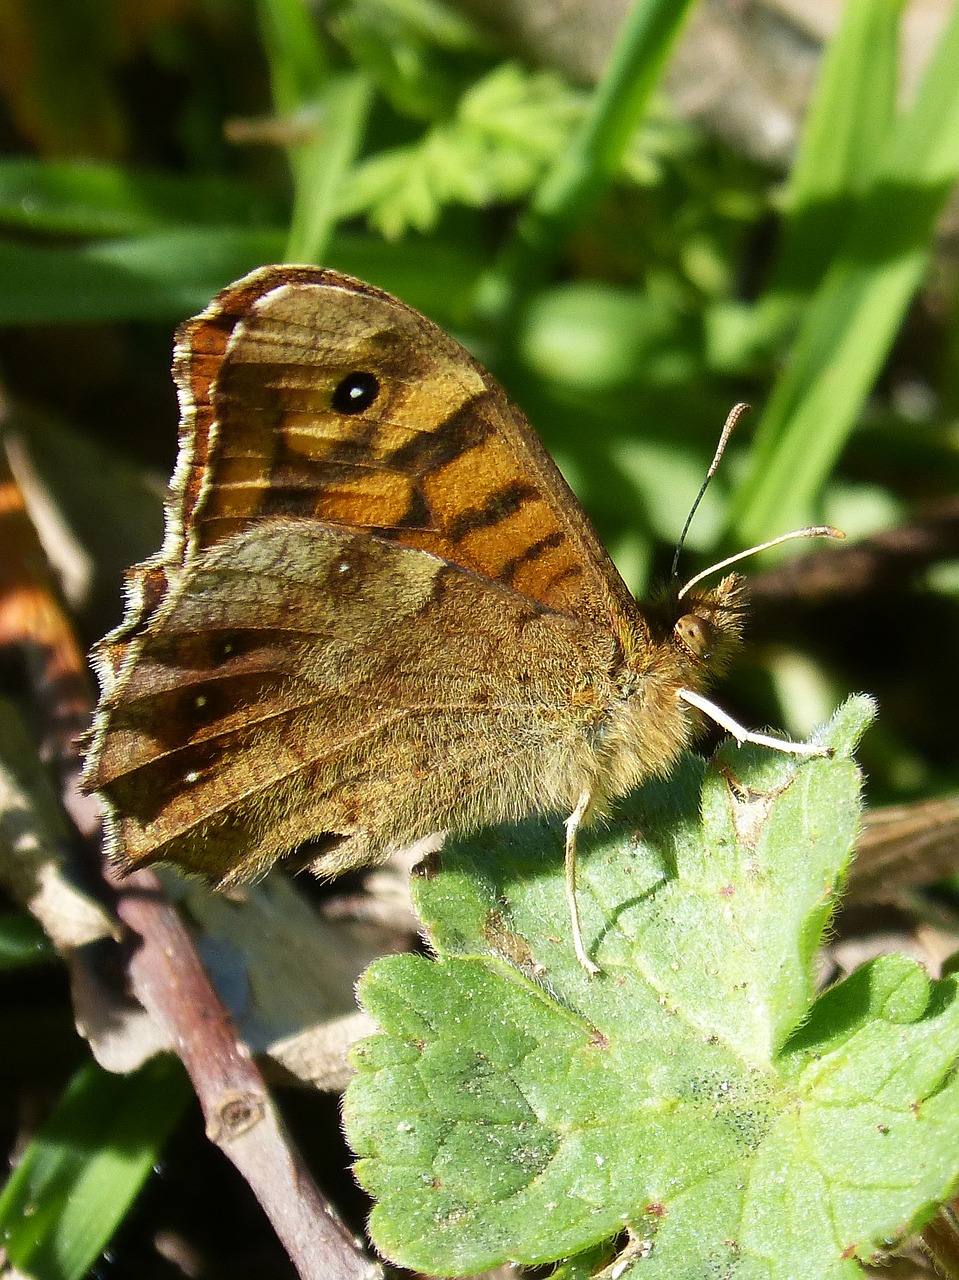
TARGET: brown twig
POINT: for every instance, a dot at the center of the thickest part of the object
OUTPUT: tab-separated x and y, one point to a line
169	979
904	846
164	970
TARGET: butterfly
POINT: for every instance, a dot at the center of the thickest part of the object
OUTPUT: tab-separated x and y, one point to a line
378	610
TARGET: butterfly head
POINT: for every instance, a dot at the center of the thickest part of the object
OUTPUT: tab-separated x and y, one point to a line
705	624
698	632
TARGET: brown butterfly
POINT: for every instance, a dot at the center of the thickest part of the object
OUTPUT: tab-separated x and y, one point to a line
378	610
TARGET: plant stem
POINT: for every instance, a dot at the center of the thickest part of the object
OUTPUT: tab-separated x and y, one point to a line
589	164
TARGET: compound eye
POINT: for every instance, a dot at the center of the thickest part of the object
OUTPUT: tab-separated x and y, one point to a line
696	635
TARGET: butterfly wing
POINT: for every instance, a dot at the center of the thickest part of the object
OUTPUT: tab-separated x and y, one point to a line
310	401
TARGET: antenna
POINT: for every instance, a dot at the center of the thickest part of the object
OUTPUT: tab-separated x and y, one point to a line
813	531
735	413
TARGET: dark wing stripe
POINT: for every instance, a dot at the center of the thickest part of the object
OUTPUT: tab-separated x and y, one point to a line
533	552
434	449
571	571
416	516
504	502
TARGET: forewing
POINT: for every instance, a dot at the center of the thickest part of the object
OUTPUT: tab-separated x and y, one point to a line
441	460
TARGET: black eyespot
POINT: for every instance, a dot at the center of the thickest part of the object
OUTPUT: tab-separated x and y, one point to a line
355	392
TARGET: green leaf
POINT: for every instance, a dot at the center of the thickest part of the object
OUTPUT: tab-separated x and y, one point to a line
419	52
507	127
430	21
695	1094
23	942
594	336
80	1174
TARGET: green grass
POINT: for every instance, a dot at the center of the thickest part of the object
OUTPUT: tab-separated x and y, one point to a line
870	184
81	1173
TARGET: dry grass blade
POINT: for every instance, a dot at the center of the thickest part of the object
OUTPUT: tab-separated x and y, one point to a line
904	846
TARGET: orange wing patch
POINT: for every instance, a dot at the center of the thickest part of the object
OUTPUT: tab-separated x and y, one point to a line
439	460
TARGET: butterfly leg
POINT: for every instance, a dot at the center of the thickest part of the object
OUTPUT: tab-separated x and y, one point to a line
741	734
573	823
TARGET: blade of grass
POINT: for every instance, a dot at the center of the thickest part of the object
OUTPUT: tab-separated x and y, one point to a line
298	62
853	105
81	198
80	1174
588	166
849	119
852	320
322	167
332	107
156	277
169	276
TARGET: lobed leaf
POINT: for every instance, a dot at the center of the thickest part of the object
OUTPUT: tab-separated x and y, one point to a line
695	1095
